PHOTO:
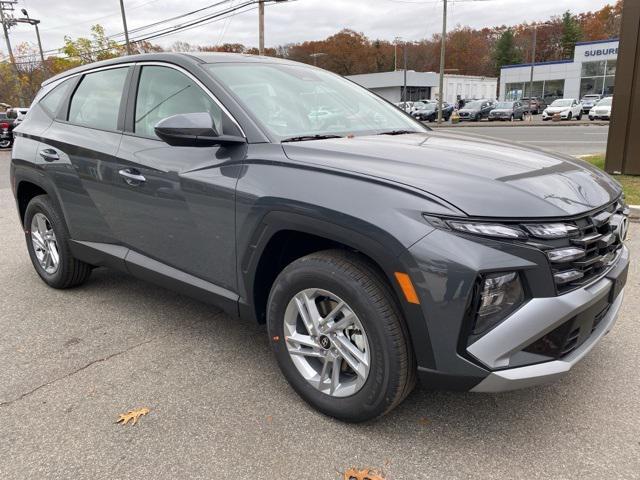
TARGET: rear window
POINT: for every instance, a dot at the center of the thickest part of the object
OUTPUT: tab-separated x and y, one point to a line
53	100
96	101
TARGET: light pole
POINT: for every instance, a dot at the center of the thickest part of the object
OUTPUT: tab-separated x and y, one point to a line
533	63
395	53
34	22
442	61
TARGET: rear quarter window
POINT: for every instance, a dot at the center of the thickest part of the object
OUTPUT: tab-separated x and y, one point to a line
53	100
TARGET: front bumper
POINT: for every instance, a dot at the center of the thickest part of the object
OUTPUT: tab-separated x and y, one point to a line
541	373
507	357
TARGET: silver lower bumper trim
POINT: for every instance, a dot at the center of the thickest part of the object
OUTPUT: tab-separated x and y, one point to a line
532	375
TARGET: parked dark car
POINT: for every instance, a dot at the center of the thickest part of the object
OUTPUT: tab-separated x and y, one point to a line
374	253
536	104
476	110
509	111
429	113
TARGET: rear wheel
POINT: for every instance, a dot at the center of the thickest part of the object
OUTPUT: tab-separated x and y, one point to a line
338	336
579	117
48	244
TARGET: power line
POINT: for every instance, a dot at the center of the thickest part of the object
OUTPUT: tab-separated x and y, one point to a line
218	16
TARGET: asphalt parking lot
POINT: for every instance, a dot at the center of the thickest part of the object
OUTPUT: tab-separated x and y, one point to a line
72	361
565	137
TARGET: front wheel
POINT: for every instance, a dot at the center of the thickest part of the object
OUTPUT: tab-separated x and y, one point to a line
338	336
579	117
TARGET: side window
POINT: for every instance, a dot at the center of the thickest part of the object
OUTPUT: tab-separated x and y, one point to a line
53	100
96	101
163	92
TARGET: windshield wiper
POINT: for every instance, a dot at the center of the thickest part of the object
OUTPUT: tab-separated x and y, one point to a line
397	132
304	138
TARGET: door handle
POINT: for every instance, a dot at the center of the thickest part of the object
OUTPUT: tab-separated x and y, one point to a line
132	176
49	154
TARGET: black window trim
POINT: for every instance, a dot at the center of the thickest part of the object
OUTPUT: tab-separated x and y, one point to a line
129	129
63	114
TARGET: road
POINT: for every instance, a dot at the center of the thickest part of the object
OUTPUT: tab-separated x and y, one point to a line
570	140
72	361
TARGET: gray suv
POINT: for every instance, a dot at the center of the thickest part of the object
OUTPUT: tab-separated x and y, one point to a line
375	250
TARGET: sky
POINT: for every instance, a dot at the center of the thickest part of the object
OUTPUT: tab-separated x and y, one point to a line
293	21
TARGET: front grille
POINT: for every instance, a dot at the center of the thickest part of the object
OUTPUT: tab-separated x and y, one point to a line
600	236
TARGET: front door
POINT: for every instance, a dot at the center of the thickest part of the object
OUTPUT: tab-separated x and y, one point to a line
176	205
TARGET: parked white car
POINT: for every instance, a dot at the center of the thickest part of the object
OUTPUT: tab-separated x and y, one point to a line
602	110
567	108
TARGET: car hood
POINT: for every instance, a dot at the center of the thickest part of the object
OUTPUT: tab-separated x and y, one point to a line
501	110
557	109
481	177
468	110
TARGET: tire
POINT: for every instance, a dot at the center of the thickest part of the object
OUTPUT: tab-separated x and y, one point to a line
511	118
349	277
579	117
570	116
69	272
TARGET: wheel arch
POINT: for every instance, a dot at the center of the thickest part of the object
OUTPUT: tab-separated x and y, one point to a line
284	237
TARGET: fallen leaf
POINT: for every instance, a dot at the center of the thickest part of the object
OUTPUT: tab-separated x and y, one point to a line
132	415
366	474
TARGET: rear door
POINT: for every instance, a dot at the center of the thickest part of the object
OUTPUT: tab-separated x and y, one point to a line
80	142
175	205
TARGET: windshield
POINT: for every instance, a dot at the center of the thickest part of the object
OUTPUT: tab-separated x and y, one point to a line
293	101
562	103
505	105
605	102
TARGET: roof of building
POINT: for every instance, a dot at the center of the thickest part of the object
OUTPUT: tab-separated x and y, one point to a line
395	79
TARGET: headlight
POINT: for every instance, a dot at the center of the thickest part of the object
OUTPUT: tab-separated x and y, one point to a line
550	230
500	295
488	229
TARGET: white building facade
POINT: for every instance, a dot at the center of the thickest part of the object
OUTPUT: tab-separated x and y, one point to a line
592	71
424	85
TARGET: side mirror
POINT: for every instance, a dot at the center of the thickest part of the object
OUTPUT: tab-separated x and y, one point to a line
192	130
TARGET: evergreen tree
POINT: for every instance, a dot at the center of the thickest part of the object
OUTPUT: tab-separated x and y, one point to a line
571	33
505	52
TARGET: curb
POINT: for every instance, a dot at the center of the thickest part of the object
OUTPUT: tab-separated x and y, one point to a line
634	215
515	124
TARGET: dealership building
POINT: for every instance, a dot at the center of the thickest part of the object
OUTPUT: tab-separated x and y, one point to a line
592	71
424	85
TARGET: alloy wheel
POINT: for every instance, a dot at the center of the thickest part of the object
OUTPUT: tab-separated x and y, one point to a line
327	342
44	243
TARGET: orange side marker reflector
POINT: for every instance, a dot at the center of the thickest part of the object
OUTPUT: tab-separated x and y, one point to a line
407	288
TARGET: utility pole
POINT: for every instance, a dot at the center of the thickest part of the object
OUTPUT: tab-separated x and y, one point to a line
6	22
126	31
261	27
533	63
442	58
